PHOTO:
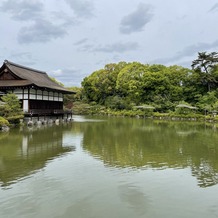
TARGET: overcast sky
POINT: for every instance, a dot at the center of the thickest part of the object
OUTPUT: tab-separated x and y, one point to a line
69	39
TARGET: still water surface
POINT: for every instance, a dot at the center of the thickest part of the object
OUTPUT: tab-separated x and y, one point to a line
110	167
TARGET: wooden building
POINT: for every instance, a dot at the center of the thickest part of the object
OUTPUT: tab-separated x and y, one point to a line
38	94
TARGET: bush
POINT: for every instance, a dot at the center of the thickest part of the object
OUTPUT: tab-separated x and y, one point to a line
81	108
15	120
117	103
11	110
3	122
160	115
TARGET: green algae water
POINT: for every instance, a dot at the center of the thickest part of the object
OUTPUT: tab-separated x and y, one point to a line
110	167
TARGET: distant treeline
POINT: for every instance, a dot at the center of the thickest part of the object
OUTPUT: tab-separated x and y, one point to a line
125	85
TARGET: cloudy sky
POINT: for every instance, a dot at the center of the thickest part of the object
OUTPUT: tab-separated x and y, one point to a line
69	39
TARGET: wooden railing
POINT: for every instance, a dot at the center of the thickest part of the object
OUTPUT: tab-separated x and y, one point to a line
43	112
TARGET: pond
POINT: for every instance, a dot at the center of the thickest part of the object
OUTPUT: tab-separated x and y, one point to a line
110	167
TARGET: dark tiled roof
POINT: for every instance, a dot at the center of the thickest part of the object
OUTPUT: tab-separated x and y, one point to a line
14	83
30	76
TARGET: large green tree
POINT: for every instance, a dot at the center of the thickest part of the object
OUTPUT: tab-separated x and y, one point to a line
129	82
206	66
101	84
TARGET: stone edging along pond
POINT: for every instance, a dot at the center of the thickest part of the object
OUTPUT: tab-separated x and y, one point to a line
156	115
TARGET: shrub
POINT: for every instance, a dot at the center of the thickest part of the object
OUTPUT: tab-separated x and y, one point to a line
11	110
3	122
117	103
15	120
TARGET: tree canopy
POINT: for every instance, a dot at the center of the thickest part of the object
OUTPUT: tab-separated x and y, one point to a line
206	66
125	85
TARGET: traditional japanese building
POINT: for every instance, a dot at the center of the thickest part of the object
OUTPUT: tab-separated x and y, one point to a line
38	94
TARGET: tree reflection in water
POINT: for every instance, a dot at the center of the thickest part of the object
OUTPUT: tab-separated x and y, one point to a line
141	144
117	142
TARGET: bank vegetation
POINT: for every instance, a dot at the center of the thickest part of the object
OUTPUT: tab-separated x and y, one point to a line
151	90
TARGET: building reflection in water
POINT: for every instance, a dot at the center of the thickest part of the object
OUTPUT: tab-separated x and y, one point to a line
24	152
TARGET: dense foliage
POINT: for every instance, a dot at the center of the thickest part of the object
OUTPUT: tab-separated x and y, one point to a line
11	109
125	85
3	122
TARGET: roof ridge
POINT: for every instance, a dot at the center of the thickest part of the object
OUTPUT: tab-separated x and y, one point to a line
24	67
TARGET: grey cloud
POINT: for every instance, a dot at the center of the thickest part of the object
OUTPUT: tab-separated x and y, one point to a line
82	41
186	64
41	31
86	48
118	47
28	63
21	55
22	9
83	45
214	8
136	21
17	56
64	18
188	51
81	8
24	58
69	77
39	28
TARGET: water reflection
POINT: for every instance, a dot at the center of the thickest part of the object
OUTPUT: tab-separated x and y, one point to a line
142	144
136	144
118	167
135	198
24	151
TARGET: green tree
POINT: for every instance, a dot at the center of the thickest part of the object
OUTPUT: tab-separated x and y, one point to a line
69	99
102	83
117	103
11	110
208	101
164	86
56	81
129	82
205	66
135	83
